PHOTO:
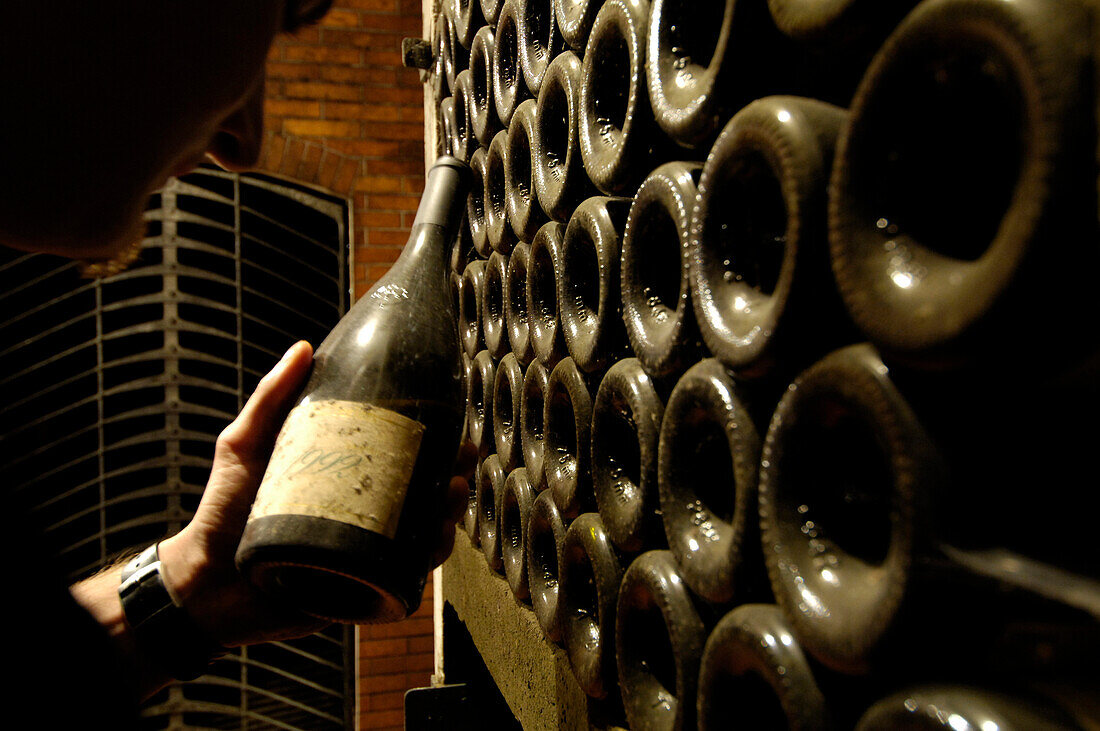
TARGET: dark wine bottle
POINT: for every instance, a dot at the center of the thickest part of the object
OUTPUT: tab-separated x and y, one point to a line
924	708
351	503
540	42
847	467
659	638
483	111
438	82
532	410
497	228
456	57
515	304
479	403
626	428
490	10
515	510
492	306
575	19
567	424
509	88
761	282
704	61
753	670
560	180
467	367
707	477
462	250
507	400
471	293
468	19
545	538
590	306
464	142
446	132
655	286
587	597
882	491
455	281
475	207
950	222
490	486
543	266
619	138
469	518
835	40
524	212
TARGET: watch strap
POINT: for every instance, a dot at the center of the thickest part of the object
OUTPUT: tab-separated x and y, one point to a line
163	630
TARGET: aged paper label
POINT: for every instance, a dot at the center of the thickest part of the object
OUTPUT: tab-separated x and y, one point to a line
344	461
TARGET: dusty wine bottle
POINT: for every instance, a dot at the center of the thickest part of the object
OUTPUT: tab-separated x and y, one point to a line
439	85
761	281
468	18
471	293
659	639
515	508
575	19
509	88
502	237
532	405
960	178
490	10
469	518
706	60
654	282
462	250
834	40
479	403
543	266
539	43
490	485
923	708
881	491
446	131
456	57
707	463
626	426
350	505
515	304
619	138
524	212
560	180
590	306
567	422
507	399
587	595
475	204
483	110
753	670
492	306
545	538
464	143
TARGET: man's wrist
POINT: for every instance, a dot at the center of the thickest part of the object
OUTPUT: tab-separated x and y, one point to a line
163	632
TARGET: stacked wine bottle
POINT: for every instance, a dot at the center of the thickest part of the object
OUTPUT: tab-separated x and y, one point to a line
781	351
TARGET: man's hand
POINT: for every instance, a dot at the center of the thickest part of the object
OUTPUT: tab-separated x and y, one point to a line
199	561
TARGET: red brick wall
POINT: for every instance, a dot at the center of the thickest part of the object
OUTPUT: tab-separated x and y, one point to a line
344	114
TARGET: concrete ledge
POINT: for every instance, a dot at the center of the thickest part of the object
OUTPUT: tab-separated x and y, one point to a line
533	674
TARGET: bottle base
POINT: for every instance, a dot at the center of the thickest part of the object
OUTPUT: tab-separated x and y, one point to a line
328	569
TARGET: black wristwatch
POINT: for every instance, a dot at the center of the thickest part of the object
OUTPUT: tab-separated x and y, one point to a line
162	629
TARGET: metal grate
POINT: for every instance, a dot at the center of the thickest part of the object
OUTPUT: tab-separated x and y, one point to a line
112	393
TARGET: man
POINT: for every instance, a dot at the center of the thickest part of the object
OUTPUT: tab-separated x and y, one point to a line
104	101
